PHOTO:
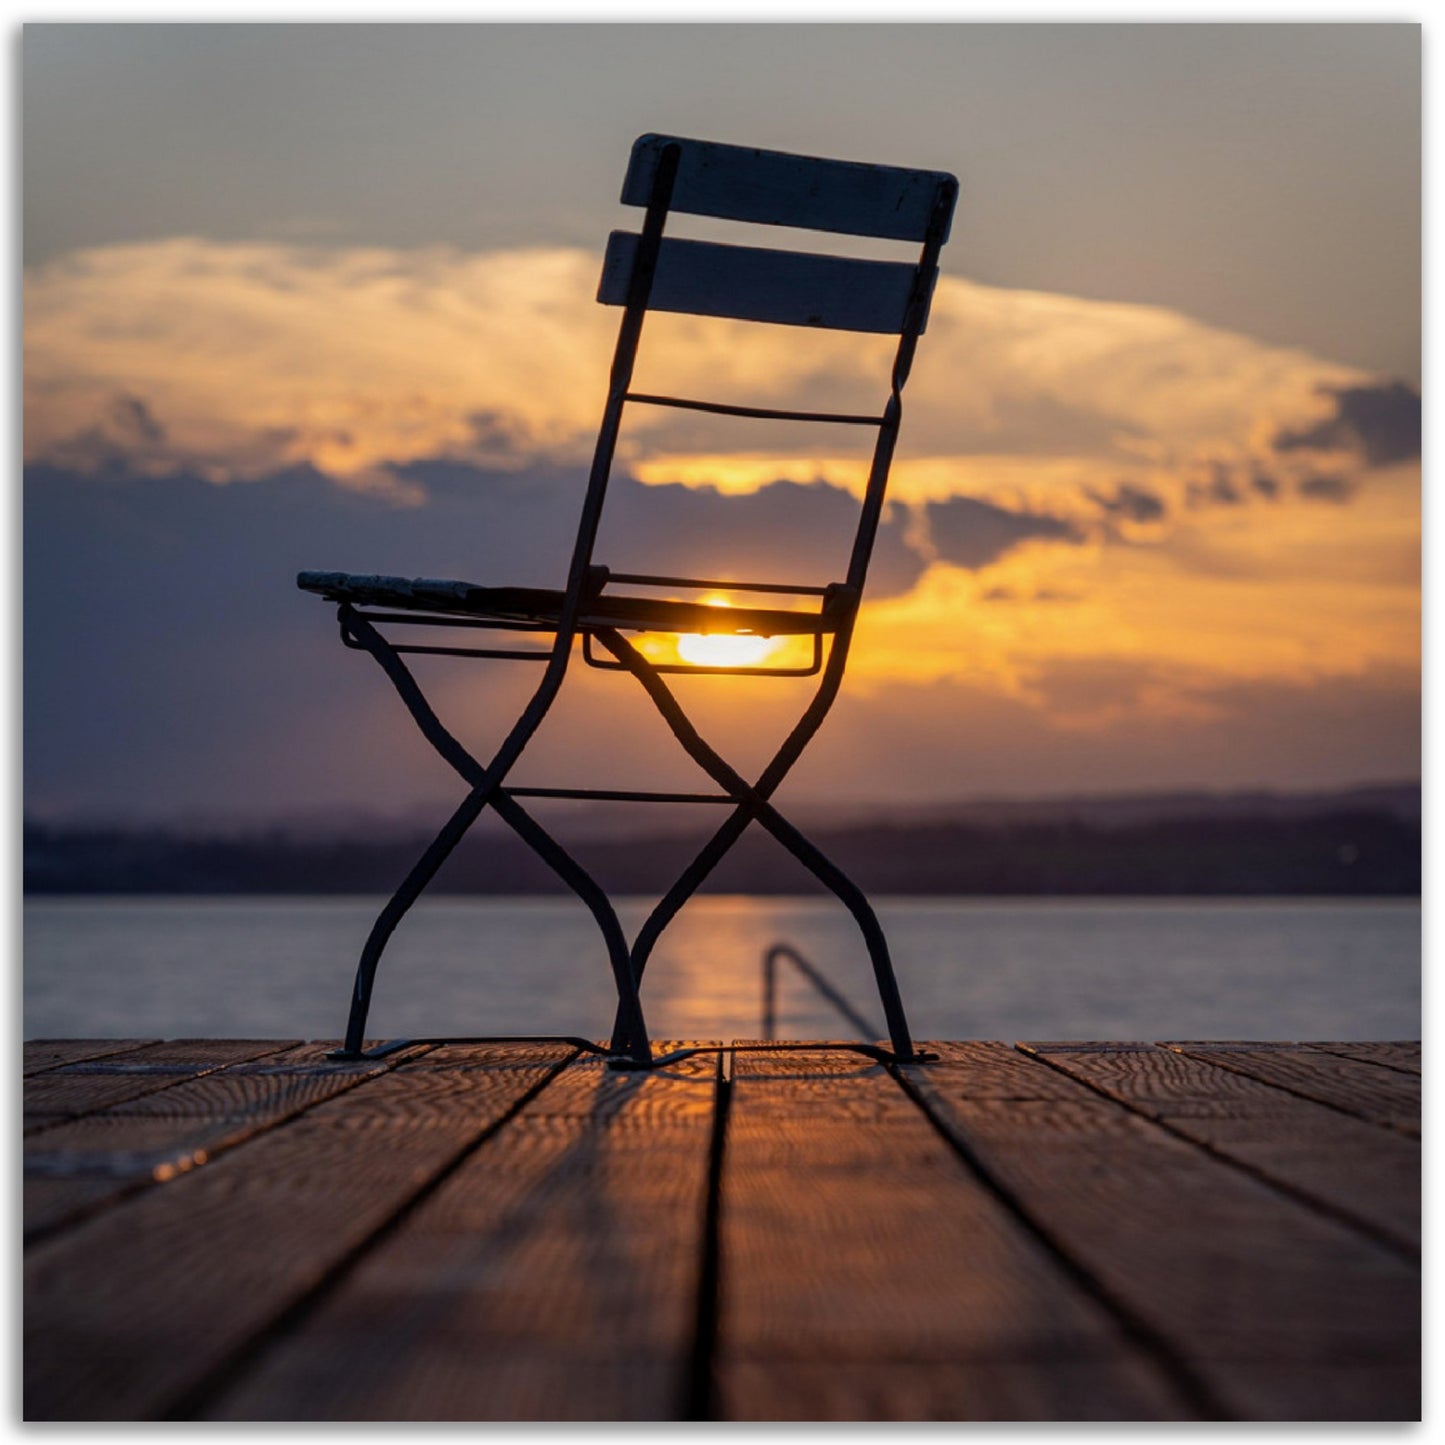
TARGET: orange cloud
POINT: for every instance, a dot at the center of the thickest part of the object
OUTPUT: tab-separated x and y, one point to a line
247	356
1191	499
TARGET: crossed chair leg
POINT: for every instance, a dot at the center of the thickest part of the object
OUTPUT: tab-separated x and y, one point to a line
630	1045
753	804
630	1034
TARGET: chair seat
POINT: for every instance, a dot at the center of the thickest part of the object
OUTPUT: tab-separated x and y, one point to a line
544	605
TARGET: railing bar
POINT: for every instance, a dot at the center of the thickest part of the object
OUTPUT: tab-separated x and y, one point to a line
811	973
619	795
646	579
445	619
765	412
512	654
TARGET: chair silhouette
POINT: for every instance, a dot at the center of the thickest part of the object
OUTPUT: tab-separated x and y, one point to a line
644	272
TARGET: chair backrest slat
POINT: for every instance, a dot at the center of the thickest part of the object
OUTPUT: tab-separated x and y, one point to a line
738	183
750	283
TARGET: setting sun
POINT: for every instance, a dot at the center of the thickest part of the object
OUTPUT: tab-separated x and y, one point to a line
721	649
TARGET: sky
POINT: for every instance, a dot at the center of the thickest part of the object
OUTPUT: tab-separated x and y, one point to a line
323	297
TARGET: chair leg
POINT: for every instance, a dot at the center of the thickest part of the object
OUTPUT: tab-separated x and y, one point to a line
688	882
823	868
736	824
423	871
754	804
856	901
630	1033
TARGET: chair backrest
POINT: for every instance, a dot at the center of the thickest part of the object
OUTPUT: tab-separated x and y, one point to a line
648	271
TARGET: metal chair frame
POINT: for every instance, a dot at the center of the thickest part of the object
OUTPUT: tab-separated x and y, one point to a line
585	610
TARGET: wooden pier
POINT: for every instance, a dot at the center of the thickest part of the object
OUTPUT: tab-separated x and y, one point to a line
240	1230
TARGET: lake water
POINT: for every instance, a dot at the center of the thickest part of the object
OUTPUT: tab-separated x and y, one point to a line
968	968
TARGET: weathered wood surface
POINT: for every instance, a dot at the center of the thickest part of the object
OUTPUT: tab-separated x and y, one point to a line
42	1054
1274	1309
567	1252
1368	1176
1354	1086
854	1238
137	1309
1038	1232
1402	1056
77	1164
72	1090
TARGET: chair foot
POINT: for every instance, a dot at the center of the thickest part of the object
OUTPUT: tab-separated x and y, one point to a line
343	1054
626	1063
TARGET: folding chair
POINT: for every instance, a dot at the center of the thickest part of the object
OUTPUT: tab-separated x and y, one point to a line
641	273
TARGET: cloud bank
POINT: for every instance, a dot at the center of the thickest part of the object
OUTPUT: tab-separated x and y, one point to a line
240	359
1102	515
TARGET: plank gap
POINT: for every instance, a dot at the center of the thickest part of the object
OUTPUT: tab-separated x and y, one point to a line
191	1404
1200	1399
1407	1249
208	1138
1277	1068
700	1398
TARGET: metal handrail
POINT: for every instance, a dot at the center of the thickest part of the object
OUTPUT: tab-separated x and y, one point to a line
810	972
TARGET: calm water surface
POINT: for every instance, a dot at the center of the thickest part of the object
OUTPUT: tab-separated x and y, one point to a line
969	968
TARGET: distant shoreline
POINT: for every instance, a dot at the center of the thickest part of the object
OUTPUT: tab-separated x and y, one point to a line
1307	852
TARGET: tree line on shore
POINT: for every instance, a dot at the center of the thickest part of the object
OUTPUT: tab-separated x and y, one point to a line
1351	851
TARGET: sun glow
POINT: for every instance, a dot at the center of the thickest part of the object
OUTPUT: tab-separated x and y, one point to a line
723	649
713	649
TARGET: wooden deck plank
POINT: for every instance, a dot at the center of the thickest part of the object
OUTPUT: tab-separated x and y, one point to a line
569	1247
1255	1292
79	1164
974	1388
854	1240
1402	1055
73	1090
1362	1173
131	1312
42	1054
196	1054
1383	1096
1109	1231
